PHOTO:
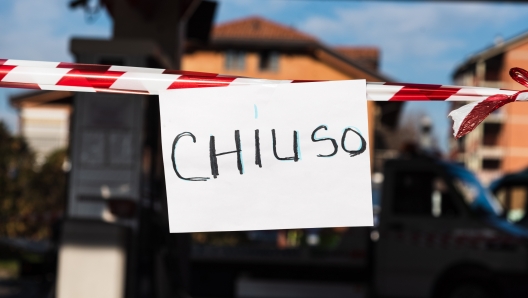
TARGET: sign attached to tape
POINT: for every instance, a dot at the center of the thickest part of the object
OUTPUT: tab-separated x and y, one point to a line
263	157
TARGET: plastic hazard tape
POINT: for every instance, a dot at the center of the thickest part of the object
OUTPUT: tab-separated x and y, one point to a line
151	81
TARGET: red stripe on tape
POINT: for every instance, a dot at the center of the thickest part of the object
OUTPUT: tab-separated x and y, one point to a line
481	111
519	75
19	85
190	73
189	81
5	69
101	79
303	81
422	92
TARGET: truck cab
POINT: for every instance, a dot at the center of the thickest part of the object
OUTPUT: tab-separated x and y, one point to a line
438	233
441	234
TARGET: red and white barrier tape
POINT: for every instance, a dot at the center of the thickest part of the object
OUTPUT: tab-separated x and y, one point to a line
137	80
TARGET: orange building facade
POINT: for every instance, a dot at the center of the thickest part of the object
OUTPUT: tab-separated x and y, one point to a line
499	145
258	48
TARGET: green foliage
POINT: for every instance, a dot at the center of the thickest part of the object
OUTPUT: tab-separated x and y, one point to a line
30	197
9	269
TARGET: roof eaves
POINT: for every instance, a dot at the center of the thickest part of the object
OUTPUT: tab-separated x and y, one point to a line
492	51
382	77
262	42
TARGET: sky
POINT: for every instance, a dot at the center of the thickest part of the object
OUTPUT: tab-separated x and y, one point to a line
41	30
420	42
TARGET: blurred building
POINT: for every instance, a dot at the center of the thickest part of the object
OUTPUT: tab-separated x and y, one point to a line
260	48
496	146
251	47
44	120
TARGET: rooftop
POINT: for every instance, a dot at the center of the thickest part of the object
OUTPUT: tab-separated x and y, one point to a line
366	56
259	29
491	51
254	31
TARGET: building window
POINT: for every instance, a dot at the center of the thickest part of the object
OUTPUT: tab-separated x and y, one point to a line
269	61
491	134
491	164
235	60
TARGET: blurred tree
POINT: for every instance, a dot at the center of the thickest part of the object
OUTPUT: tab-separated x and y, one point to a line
16	173
48	194
30	198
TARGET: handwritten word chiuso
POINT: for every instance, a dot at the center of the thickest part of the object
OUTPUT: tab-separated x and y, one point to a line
285	156
213	154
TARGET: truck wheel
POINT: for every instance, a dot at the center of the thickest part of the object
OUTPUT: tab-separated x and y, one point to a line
470	290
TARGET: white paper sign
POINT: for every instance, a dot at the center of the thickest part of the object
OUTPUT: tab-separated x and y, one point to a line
267	157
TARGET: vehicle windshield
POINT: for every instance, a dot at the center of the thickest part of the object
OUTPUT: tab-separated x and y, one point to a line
475	195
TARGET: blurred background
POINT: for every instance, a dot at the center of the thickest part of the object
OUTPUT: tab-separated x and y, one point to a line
82	196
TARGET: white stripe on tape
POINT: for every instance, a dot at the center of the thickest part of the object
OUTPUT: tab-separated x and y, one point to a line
151	82
32	63
35	75
378	92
